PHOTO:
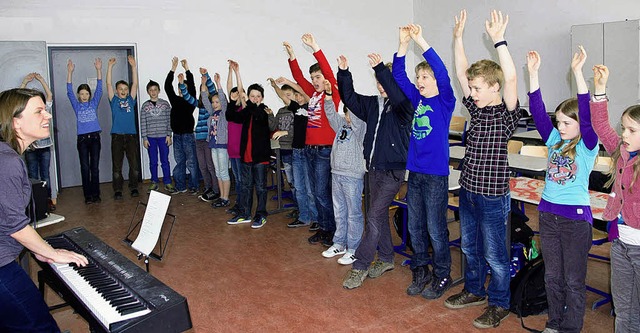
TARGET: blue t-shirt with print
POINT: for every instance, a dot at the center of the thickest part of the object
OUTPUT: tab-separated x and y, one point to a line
123	116
567	180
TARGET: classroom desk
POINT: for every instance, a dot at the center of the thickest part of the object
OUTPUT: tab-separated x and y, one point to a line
454	177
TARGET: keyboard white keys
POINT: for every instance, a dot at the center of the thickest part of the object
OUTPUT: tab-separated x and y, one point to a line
104	311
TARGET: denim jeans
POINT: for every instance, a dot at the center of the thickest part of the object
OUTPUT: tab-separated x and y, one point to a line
307	210
38	165
427	197
237	176
207	168
625	285
383	187
158	146
121	145
220	159
184	152
254	174
483	224
287	164
22	307
89	146
347	205
565	246
319	166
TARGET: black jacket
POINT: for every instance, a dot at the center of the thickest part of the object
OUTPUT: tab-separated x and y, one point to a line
182	121
257	117
390	129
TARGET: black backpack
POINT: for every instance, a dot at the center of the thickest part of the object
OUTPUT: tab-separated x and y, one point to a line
528	293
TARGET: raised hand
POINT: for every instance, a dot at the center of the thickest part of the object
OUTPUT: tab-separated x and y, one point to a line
327	87
600	78
343	63
174	63
216	79
272	82
404	35
309	40
374	59
533	62
460	22
38	77
288	48
496	27
233	65
131	60
578	59
181	78
98	63
415	31
203	71
112	61
282	80
184	64
70	66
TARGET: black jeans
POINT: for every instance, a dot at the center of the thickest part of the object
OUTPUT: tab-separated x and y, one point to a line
122	144
89	152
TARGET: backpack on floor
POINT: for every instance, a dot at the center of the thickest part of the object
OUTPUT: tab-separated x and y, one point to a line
397	224
528	293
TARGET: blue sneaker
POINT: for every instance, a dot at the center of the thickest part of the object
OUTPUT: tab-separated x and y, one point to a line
258	222
237	219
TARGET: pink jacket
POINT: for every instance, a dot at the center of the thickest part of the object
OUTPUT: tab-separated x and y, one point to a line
621	199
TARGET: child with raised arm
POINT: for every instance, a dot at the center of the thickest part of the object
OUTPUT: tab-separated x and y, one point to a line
233	139
484	192
216	105
155	129
203	152
296	101
255	152
623	201
347	177
124	136
182	123
428	164
565	212
388	118
319	136
88	144
38	156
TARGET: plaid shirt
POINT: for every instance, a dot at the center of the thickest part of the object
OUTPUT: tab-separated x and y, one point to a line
485	167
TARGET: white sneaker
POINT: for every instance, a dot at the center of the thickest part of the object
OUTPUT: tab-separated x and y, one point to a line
348	258
333	251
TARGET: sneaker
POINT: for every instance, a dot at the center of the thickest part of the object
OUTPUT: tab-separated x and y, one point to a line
437	288
209	196
258	222
464	299
491	317
134	193
317	237
152	187
354	278
193	191
169	188
421	276
293	214
333	251
97	199
88	201
52	206
117	196
549	330
220	203
297	224
348	258
314	227
237	219
327	239
379	267
179	191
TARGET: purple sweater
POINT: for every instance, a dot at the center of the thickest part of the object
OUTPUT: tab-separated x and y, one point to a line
589	137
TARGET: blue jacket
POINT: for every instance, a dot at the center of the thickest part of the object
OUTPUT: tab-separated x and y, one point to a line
387	139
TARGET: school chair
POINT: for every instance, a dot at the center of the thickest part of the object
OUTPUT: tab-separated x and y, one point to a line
458	128
599	237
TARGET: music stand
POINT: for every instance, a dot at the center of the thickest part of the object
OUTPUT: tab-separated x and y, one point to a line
144	228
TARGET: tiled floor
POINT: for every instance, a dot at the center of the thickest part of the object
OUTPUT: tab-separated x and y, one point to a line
238	279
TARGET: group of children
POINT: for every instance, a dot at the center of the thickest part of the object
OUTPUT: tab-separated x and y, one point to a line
405	127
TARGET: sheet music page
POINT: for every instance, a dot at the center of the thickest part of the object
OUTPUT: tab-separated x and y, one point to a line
152	222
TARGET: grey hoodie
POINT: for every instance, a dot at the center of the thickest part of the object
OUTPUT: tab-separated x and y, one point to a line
347	155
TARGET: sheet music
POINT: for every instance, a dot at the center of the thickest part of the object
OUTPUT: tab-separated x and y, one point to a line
152	222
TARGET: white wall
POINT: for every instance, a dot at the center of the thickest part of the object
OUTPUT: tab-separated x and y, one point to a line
208	33
542	25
